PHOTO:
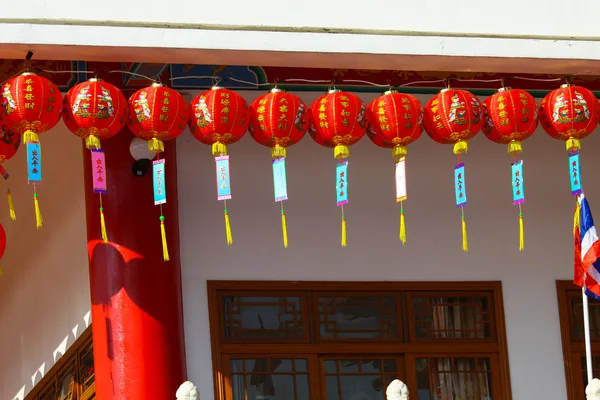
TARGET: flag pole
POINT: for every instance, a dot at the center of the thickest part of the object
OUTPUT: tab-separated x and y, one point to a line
586	328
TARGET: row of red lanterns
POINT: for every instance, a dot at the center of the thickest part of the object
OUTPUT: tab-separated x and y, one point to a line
96	110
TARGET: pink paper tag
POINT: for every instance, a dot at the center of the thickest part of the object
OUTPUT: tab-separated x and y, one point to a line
99	171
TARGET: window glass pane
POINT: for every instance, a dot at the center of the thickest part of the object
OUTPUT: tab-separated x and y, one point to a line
577	320
87	367
49	393
359	379
595	369
452	317
358	317
269	379
454	379
66	385
263	317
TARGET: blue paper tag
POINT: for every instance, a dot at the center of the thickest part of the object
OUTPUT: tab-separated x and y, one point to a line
575	173
223	182
518	189
279	180
158	176
341	173
34	162
460	186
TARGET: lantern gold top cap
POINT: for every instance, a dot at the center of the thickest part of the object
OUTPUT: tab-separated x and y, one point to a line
277	90
445	90
95	80
28	74
217	87
504	89
388	92
333	91
565	85
157	84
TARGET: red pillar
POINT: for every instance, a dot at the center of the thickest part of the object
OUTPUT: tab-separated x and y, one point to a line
137	313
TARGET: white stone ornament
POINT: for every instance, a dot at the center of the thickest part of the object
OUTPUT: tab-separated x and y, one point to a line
187	391
592	391
397	390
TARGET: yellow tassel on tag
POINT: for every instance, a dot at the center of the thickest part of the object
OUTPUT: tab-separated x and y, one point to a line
103	226
344	242
576	219
464	235
573	144
402	228
30	136
0	270
163	235
278	152
92	142
228	229
461	147
156	145
521	233
284	229
219	149
11	206
515	147
341	151
38	214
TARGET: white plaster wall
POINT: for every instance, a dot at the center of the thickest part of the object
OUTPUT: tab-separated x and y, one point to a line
44	292
433	251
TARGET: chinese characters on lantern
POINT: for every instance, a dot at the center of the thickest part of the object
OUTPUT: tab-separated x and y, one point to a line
225	111
34	162
158	177
99	171
517	183
460	186
322	116
575	173
400	179
279	180
164	116
341	172
223	183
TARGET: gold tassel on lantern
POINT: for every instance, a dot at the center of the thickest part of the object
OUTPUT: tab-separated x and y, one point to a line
156	145
573	144
30	136
163	235
341	151
219	149
92	142
38	214
402	227
344	238
11	206
521	233
464	234
462	146
228	229
284	229
515	146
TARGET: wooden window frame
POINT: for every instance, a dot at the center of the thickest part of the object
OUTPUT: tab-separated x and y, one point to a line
70	360
496	347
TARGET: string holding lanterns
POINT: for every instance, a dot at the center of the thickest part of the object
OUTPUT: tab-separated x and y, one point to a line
157	114
220	117
395	121
453	117
511	116
338	120
279	120
31	106
96	110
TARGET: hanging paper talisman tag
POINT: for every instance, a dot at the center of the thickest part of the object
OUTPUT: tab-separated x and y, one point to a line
224	191
341	171
574	173
158	176
99	171
280	192
518	189
34	163
459	185
400	178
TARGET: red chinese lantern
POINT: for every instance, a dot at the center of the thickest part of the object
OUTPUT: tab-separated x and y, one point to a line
9	144
453	117
395	121
2	244
158	113
511	116
569	113
338	120
278	120
220	117
31	106
94	111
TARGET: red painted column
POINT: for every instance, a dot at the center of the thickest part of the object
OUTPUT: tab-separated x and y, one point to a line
137	313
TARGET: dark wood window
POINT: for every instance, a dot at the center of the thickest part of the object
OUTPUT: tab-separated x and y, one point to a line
349	340
570	307
72	377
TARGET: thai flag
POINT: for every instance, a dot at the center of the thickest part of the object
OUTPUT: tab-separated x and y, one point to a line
587	251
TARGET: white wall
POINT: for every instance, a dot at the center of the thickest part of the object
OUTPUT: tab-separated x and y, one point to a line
44	292
433	251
